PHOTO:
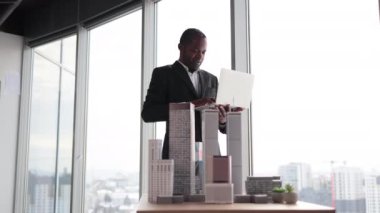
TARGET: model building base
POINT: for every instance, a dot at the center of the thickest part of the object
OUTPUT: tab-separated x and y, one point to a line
170	199
195	198
219	193
259	198
242	199
164	199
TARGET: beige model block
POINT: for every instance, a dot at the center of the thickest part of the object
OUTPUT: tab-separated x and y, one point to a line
219	193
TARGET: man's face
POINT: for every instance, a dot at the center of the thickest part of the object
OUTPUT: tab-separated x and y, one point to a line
192	54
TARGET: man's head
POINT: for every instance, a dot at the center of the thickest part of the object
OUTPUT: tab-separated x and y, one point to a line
192	47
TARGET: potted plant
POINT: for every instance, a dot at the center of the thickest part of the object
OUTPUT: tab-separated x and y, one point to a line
290	196
278	194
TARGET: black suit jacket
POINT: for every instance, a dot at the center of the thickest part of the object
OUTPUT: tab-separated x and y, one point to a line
172	84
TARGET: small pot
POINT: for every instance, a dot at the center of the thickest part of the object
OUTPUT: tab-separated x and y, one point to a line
290	197
278	197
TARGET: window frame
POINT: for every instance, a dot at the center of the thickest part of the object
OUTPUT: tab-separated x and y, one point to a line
240	61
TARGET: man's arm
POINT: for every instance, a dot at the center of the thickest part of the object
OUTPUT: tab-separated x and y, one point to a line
155	107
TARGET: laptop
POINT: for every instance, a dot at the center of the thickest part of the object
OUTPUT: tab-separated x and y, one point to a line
235	88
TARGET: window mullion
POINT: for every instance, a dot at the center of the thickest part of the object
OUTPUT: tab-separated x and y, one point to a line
21	190
241	62
148	63
80	124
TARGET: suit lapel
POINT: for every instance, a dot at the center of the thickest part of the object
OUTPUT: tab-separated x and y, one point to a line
203	79
182	73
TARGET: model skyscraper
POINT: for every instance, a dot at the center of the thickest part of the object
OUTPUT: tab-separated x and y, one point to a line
210	125
182	146
161	173
237	147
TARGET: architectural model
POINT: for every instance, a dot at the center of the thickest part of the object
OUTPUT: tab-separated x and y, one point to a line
259	198
262	185
220	190
242	199
218	177
221	169
199	168
154	154
182	147
210	126
161	173
219	193
237	147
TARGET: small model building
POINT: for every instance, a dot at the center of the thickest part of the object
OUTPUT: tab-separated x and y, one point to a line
242	198
182	147
259	198
221	189
237	147
219	192
262	185
161	173
221	169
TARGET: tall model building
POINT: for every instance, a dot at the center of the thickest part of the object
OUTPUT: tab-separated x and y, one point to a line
237	147
347	184
182	146
210	125
297	174
161	173
155	147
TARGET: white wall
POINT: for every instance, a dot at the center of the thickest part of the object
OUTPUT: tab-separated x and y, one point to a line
10	71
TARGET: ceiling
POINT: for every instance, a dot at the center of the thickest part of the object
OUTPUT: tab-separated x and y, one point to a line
34	19
12	13
7	7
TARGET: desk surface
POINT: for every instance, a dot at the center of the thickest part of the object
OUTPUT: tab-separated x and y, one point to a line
300	207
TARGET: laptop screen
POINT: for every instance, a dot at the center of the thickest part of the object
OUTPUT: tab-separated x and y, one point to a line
235	88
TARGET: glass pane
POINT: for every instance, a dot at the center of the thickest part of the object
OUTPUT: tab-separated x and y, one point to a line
189	14
65	143
51	133
51	50
316	102
69	53
113	134
43	136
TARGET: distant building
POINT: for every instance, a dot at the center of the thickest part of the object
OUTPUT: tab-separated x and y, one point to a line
41	190
372	193
297	174
319	193
348	190
182	146
64	193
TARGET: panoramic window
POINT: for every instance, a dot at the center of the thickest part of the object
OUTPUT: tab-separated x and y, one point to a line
51	127
189	14
315	100
113	130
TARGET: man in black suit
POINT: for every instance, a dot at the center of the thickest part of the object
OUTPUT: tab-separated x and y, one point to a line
182	81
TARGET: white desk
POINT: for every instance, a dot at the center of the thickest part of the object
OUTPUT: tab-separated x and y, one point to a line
300	207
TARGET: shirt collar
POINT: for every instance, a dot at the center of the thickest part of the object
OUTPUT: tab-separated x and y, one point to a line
187	68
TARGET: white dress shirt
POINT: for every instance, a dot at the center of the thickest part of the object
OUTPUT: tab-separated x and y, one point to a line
194	77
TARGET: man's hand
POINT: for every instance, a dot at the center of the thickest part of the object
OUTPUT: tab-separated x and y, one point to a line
203	102
223	109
